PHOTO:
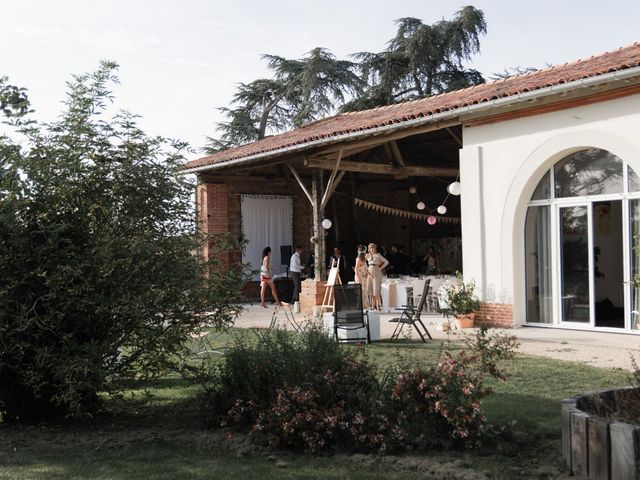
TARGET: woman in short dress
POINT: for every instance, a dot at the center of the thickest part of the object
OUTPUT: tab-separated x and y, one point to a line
266	278
376	263
362	274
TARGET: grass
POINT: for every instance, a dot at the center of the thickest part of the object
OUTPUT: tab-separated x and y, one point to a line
163	436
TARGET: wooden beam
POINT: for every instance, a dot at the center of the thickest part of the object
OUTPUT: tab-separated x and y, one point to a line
334	185
325	197
381	169
397	155
318	233
455	136
304	189
381	139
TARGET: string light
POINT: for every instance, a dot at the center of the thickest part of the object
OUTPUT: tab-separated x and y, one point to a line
454	188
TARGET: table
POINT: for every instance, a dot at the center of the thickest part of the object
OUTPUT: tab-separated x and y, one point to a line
398	292
395	294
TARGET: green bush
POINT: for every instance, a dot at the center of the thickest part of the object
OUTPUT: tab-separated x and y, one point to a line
99	282
247	381
306	392
461	297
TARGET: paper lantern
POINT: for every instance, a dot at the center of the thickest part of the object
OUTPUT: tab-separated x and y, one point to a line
431	220
420	206
454	188
442	209
326	224
412	189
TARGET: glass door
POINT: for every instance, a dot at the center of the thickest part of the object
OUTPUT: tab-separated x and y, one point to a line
608	264
575	263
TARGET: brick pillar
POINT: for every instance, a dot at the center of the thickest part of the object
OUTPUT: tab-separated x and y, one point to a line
311	295
212	203
499	315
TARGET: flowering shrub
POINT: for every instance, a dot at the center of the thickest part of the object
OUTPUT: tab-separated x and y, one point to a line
339	408
440	406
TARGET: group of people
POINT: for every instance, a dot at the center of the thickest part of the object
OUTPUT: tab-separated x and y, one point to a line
368	270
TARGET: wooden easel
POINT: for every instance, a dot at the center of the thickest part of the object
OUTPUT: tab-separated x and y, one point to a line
332	279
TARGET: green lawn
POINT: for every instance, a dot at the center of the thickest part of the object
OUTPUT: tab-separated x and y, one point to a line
164	437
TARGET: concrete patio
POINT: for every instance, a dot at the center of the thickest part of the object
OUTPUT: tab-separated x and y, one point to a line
607	350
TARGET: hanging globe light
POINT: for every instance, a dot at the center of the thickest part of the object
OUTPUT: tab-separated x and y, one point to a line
431	220
412	189
442	209
454	188
421	206
326	224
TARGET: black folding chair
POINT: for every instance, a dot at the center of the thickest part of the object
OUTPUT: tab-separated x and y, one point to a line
411	315
348	313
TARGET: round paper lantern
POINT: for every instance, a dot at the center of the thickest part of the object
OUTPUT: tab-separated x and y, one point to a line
442	209
431	220
454	188
420	206
412	189
326	224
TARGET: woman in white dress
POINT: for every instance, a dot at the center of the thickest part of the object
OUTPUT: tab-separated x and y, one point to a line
266	279
376	263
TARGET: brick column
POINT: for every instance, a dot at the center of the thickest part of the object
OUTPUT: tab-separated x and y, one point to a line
212	203
311	295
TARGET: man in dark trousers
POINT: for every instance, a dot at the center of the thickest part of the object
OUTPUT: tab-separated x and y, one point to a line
398	262
344	268
295	270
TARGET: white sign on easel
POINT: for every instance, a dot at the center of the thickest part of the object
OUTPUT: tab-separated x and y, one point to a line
333	276
332	279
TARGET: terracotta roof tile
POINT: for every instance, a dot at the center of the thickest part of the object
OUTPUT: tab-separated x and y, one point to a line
621	59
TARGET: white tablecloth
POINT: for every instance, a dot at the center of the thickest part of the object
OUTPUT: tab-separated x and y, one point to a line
394	290
394	294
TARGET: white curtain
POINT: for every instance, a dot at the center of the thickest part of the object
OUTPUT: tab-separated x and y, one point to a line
267	221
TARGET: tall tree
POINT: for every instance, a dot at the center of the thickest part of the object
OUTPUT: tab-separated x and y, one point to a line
422	60
301	91
98	280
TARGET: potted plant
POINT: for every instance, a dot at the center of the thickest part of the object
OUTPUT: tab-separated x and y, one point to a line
463	302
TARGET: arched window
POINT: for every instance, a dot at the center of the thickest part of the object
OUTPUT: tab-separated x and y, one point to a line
581	217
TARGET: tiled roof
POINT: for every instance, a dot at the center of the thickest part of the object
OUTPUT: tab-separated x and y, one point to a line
624	58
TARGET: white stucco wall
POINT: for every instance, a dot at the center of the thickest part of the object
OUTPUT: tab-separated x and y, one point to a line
500	166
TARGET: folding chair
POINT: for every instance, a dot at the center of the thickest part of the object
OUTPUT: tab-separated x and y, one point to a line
348	313
411	315
289	318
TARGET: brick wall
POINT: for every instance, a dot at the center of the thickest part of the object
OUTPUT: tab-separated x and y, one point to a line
498	315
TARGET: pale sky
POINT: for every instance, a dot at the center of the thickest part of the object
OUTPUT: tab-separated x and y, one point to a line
179	60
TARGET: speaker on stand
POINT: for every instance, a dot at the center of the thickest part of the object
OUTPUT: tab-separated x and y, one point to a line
285	256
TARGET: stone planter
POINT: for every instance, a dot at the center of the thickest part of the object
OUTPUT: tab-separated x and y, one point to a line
465	320
599	447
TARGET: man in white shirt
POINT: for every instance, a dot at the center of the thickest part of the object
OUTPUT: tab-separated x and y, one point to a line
295	269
